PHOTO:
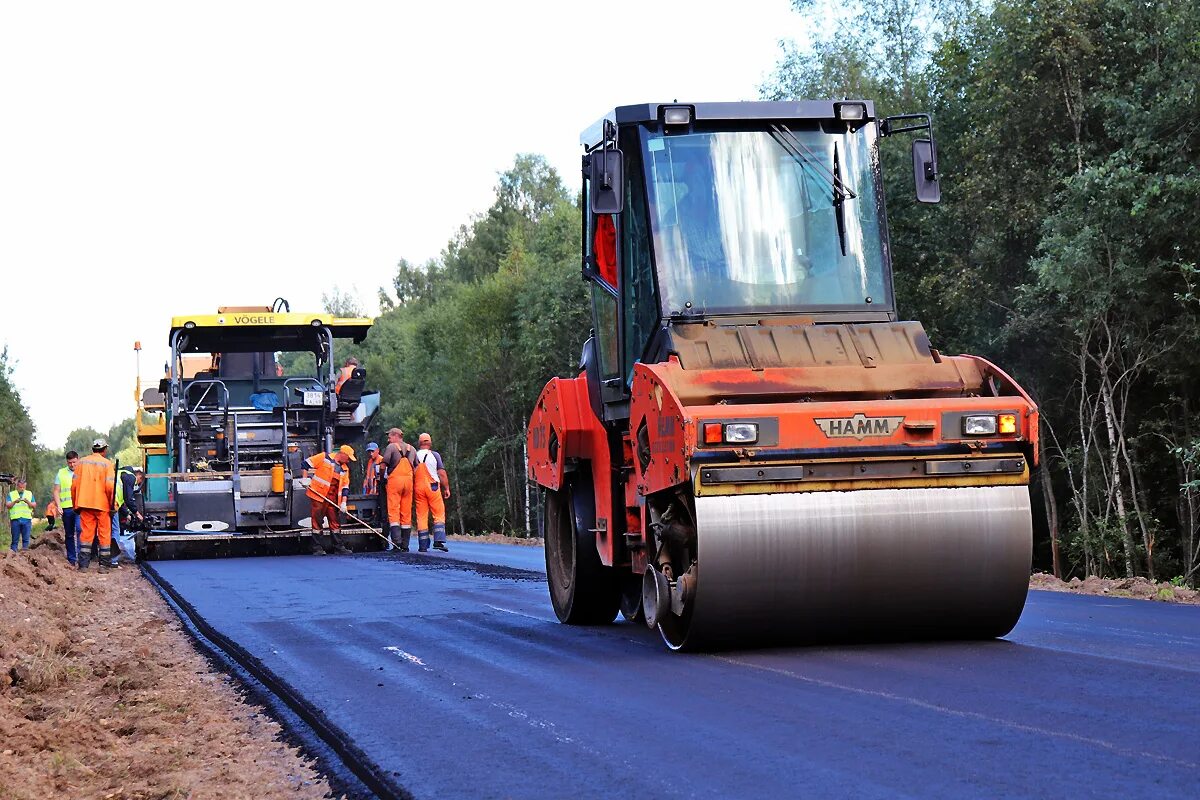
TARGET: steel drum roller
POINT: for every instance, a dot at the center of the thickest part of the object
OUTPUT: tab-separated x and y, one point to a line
883	563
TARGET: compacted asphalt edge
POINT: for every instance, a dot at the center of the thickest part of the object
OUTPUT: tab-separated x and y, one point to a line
347	768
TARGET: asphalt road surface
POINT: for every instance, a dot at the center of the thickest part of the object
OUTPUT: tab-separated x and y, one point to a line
451	672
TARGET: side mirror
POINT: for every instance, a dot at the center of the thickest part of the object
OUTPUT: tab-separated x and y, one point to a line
607	181
925	172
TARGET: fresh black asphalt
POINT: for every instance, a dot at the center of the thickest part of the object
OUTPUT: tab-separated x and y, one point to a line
452	674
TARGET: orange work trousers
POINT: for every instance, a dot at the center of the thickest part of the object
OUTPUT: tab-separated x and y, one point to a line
400	498
428	500
322	511
93	523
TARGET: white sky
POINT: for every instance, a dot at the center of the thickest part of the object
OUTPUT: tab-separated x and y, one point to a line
163	158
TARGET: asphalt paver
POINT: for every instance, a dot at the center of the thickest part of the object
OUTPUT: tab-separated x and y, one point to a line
451	672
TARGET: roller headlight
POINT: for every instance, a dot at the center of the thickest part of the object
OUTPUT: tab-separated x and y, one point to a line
979	425
741	433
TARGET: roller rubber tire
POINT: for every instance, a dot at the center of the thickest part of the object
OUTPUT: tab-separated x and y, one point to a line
582	589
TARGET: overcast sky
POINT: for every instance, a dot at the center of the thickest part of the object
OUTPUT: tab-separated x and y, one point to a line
163	158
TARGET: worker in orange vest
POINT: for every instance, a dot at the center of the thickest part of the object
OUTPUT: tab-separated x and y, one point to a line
372	470
329	491
346	373
431	485
374	479
399	459
93	492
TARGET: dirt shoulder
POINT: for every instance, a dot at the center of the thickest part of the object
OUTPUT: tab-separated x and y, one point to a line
1138	588
496	538
103	696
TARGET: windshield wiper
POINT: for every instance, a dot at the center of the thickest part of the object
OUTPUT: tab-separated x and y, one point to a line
839	203
810	161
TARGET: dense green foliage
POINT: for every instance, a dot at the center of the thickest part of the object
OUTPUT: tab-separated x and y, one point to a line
1065	244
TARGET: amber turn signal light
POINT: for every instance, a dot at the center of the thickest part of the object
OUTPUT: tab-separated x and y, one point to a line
1007	423
712	433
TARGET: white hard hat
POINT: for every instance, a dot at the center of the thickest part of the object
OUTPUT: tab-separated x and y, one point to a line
99	443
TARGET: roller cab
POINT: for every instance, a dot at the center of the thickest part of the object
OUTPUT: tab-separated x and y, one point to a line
756	448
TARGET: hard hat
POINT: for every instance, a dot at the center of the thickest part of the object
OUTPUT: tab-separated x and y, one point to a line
372	446
348	451
100	443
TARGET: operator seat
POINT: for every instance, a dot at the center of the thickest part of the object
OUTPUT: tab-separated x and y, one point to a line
351	392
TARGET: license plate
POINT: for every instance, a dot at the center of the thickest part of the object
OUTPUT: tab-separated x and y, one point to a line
314	398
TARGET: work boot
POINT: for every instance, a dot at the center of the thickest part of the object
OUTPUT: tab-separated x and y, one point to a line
83	558
405	538
439	537
341	550
422	542
393	538
441	546
317	548
106	564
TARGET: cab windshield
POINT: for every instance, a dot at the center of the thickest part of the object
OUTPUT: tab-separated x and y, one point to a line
766	220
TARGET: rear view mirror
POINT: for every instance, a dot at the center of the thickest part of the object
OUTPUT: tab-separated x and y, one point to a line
607	181
925	172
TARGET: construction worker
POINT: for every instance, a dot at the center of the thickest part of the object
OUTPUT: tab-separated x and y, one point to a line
329	490
372	469
431	485
20	505
52	515
61	497
346	373
399	460
93	491
374	479
129	495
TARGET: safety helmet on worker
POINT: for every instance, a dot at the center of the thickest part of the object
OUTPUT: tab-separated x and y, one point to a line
99	443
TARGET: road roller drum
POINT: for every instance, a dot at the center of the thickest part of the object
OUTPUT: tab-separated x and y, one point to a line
875	564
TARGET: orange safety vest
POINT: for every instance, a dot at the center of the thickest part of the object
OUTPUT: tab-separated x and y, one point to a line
94	483
326	470
374	466
346	374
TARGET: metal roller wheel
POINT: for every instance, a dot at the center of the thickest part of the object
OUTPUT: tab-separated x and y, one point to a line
882	564
582	589
631	598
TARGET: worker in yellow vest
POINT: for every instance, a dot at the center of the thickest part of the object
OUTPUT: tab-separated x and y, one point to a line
128	511
20	505
61	497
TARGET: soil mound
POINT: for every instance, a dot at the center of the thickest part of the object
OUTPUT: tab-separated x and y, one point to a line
103	696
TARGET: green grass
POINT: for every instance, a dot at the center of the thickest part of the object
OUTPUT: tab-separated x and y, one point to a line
39	527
